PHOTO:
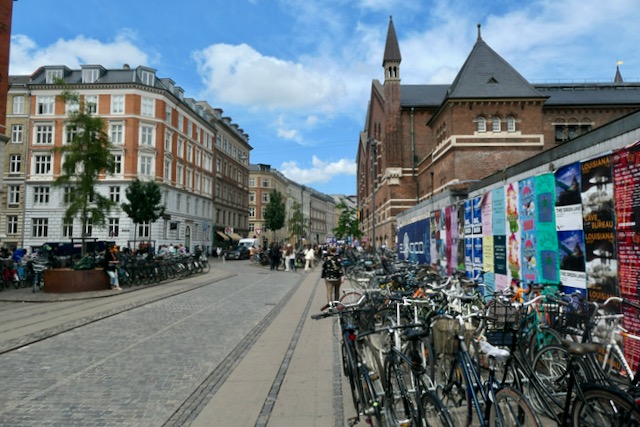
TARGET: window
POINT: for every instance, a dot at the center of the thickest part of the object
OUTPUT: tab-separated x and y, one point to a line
91	103
167	170
44	134
190	152
15	163
67	229
17	133
196	181
189	128
114	227
13	197
147	77
40	227
42	164
146	165
188	205
66	196
495	124
198	159
265	182
52	75
252	182
179	174
180	150
41	195
117	104
189	182
12	224
167	114
90	75
481	124
116	133
265	198
571	129
146	135
219	140
252	227
143	229
148	106
252	196
252	212
178	202
44	105
71	132
114	193
218	165
117	164
18	105
180	122
71	106
511	124
88	229
167	141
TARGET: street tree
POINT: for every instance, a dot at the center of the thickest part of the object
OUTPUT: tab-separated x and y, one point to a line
274	214
86	155
348	224
145	203
296	222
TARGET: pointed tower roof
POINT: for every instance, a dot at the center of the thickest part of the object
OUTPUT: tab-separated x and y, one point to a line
485	74
618	77
391	49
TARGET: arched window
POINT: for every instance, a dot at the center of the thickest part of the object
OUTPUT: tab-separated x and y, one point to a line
496	124
481	124
511	124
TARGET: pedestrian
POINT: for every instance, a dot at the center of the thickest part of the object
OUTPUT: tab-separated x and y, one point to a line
308	258
333	275
291	260
111	267
219	251
274	256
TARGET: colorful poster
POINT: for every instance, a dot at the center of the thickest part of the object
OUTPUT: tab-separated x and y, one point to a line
453	248
568	199
499	210
413	242
477	257
468	207
548	269
433	231
572	266
500	261
476	216
599	229
487	214
529	241
513	232
468	256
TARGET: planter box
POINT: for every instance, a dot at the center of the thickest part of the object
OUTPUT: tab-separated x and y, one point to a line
65	280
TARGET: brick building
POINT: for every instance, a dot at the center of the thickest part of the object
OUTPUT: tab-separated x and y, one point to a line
428	138
197	156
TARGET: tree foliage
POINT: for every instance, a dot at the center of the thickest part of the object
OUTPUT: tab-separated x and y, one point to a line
296	222
85	156
274	214
348	224
145	202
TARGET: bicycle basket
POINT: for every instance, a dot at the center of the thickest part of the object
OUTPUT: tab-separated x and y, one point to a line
445	335
502	321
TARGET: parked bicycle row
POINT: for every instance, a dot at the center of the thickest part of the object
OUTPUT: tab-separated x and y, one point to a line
424	349
131	269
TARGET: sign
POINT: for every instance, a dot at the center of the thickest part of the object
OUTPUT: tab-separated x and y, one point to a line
258	231
228	230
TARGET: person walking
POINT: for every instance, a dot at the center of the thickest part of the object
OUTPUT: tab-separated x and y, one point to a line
111	268
292	258
308	258
333	275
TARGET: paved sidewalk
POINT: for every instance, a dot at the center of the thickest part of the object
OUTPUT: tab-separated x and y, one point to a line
289	376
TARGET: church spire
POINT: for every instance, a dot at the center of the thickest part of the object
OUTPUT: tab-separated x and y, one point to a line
392	58
618	77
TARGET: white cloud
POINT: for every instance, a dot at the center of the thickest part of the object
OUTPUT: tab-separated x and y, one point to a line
319	171
240	75
27	56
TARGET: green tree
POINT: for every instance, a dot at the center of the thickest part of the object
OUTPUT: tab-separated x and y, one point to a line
296	222
85	156
145	203
274	214
348	224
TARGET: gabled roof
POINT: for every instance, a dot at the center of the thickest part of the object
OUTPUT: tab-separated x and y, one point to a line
392	48
485	74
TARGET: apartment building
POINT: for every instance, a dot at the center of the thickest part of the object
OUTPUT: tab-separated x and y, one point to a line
157	134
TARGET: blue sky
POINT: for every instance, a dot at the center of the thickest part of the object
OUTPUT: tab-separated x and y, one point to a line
296	74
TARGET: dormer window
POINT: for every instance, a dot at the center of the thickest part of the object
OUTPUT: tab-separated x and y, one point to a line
147	77
52	75
90	75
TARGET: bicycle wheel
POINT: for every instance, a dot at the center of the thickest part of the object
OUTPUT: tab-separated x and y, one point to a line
350	297
512	409
603	407
451	389
350	369
434	413
371	406
398	405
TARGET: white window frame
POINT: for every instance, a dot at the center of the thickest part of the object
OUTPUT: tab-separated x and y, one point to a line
67	228
116	133
167	140
118	164
114	193
43	134
50	76
167	170
45	105
42	164
13	195
117	104
91	104
17	134
511	124
71	106
114	227
146	165
40	227
147	135
496	124
70	131
147	107
147	77
12	224
179	174
18	104
41	195
481	124
15	163
180	148
144	229
90	75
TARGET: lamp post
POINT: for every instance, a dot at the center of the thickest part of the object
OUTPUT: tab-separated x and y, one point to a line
372	141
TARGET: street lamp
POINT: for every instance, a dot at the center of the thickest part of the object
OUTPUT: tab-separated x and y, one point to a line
372	141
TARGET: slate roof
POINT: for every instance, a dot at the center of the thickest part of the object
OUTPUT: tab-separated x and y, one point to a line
392	48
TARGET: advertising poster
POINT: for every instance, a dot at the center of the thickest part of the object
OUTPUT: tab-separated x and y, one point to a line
413	242
468	256
599	230
487	214
499	209
529	242
477	257
572	265
442	239
500	262
513	232
454	233
548	271
568	198
487	262
433	231
468	207
476	216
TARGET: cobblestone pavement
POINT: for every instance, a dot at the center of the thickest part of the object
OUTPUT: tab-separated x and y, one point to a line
130	359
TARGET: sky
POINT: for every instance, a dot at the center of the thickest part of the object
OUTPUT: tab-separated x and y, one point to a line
296	75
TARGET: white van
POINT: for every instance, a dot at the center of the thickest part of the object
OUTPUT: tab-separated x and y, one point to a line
249	242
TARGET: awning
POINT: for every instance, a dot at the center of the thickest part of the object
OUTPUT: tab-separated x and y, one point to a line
235	236
221	234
